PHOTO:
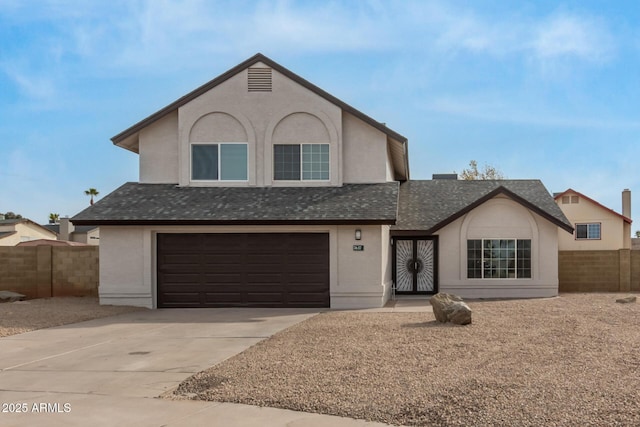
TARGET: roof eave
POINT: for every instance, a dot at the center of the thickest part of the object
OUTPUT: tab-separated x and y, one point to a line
139	222
117	139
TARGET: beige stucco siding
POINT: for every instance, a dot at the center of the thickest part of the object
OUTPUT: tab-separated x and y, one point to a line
612	227
288	114
125	266
365	152
357	279
499	218
363	276
159	151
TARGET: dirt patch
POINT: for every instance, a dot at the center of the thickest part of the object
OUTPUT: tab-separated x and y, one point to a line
24	316
572	360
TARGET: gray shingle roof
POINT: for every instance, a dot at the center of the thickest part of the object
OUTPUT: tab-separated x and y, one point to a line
430	205
135	203
80	229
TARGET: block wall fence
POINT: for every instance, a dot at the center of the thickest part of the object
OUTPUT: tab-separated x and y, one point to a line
49	271
599	271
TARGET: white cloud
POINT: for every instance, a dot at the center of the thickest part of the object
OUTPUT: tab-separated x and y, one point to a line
572	36
495	109
33	85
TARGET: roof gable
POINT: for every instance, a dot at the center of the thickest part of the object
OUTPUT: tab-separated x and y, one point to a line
430	205
596	203
258	58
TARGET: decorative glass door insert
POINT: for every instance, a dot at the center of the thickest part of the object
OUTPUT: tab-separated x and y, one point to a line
415	265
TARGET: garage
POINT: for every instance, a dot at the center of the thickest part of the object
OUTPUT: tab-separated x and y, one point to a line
243	270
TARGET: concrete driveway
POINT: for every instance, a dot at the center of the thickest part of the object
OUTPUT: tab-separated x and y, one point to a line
109	371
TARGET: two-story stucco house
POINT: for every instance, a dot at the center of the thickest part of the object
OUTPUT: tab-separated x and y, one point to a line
596	226
261	189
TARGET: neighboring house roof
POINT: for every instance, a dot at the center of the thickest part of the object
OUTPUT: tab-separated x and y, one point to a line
135	203
24	221
7	233
430	205
558	196
47	242
81	229
120	138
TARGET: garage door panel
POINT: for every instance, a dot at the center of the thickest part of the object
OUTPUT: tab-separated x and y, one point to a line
223	277
264	259
243	269
219	259
265	277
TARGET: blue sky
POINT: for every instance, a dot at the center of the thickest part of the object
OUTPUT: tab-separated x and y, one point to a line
539	89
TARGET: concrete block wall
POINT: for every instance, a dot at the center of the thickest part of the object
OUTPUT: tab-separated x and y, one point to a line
599	271
19	269
635	271
46	271
75	271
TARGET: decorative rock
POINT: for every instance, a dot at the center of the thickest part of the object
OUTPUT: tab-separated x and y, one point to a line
450	308
8	296
626	300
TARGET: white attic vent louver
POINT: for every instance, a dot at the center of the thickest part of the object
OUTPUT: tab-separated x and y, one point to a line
259	79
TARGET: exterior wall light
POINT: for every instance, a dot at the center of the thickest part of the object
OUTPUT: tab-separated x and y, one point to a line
358	234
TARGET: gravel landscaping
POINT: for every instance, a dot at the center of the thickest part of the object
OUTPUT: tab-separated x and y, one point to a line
566	361
24	316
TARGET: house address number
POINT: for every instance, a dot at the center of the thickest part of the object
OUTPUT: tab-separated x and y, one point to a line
358	248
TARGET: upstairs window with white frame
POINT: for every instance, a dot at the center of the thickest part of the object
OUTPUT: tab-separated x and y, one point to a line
219	162
588	231
306	162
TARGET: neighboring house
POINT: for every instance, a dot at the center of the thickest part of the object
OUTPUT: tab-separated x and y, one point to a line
49	242
87	234
261	189
596	226
14	231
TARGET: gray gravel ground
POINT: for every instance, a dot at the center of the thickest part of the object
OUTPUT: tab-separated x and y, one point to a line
24	316
567	361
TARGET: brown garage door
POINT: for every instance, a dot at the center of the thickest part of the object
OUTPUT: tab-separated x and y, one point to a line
243	270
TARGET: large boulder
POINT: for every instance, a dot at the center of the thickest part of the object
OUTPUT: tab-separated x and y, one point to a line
450	308
8	296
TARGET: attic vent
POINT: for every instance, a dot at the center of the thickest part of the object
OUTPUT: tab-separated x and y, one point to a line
569	200
259	80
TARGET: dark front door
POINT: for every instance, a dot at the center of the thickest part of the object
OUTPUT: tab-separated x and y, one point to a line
415	261
243	270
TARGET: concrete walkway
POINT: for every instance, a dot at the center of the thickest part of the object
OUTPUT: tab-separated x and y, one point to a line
109	371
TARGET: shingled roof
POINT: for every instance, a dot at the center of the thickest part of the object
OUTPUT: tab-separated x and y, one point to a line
430	205
169	204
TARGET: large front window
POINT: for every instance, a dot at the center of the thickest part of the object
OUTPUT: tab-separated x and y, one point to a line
219	162
499	259
307	162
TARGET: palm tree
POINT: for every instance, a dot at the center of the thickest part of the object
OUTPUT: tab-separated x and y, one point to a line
91	192
53	218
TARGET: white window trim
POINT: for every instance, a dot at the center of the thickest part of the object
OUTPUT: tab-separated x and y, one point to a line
273	162
219	144
519	279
